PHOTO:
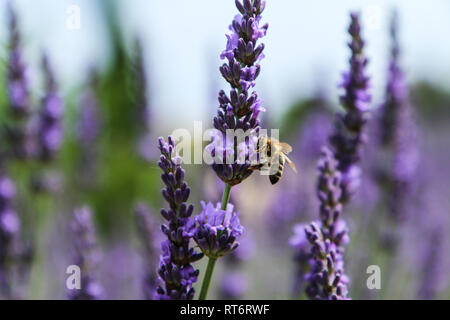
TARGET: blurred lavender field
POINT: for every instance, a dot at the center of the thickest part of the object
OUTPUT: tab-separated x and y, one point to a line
85	94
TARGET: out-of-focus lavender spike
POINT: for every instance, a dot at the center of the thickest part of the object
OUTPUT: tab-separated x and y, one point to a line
280	218
17	89
9	234
176	273
349	134
406	162
432	270
399	136
142	105
339	177
234	284
313	134
50	128
241	107
141	98
328	236
303	259
89	123
396	89
86	256
148	229
88	129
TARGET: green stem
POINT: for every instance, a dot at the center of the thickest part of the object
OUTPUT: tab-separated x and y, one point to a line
226	196
212	261
207	278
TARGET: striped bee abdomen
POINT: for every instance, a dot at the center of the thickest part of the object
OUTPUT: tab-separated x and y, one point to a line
277	176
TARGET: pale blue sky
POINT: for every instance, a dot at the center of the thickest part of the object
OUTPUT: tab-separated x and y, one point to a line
305	45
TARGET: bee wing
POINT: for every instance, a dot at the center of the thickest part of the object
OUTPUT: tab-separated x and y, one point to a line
291	164
285	148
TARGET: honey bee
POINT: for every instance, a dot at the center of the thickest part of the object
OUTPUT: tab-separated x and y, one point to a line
276	153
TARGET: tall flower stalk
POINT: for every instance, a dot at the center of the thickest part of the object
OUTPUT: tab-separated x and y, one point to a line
88	130
147	229
141	103
399	135
216	235
328	236
86	256
176	273
9	234
339	178
17	89
50	131
239	109
234	283
349	135
15	256
397	167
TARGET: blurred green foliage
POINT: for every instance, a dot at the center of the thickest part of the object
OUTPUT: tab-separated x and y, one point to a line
294	118
431	101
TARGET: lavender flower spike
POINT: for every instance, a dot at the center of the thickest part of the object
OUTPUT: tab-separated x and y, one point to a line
147	229
175	269
349	135
396	90
9	233
328	236
399	136
50	132
86	256
303	258
240	108
18	91
217	230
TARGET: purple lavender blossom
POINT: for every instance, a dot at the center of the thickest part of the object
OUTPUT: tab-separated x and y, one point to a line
396	90
147	229
328	236
349	136
234	283
17	89
339	177
50	131
239	109
141	103
295	193
217	230
88	126
86	256
9	233
303	258
175	268
88	129
314	134
399	137
146	147
432	267
233	286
